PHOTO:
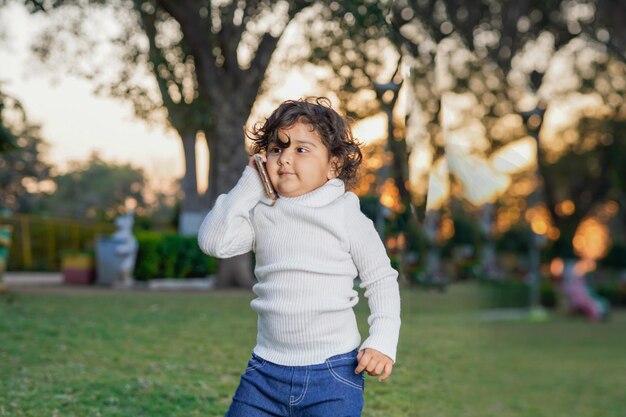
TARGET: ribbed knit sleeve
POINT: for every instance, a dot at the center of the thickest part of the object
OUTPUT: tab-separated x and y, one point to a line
226	231
378	278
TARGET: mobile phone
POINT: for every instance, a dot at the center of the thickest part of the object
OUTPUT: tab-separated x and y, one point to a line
265	178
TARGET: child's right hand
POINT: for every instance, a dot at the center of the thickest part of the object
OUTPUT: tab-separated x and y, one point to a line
374	363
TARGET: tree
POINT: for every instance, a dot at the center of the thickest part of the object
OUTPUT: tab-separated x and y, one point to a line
24	177
96	189
590	172
230	83
7	139
144	46
229	46
173	70
500	36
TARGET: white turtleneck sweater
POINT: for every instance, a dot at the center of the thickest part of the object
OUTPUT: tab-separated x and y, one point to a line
308	251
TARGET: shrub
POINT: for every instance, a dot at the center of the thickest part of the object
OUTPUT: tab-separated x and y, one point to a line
164	255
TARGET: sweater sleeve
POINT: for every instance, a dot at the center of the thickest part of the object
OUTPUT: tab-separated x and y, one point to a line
378	278
226	231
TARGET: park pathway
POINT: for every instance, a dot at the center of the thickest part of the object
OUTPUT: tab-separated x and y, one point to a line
52	283
33	279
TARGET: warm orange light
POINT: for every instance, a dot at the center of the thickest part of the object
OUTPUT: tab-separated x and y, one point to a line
608	210
506	217
522	187
447	229
568	207
539	226
365	184
401	241
387	200
611	208
554	233
565	208
592	239
583	266
556	267
534	121
390	196
580	242
539	219
374	162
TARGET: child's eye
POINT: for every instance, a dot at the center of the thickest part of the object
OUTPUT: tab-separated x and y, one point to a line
302	150
275	149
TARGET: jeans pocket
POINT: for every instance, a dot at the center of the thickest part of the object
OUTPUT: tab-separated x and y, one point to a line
342	371
254	364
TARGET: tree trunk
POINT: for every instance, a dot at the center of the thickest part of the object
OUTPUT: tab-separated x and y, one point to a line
230	92
400	175
534	274
432	223
193	207
189	181
488	251
398	172
226	170
214	153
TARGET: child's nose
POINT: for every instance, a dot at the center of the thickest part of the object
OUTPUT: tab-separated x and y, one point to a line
284	158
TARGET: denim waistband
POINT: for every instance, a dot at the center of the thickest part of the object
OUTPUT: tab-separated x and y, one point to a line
336	358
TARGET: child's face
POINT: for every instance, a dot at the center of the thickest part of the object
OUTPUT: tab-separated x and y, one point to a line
302	167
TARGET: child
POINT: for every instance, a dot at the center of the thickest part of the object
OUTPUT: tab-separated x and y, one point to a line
310	245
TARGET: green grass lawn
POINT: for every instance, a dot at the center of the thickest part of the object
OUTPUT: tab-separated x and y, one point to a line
146	354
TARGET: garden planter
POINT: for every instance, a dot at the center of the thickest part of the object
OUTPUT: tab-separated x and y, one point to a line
78	268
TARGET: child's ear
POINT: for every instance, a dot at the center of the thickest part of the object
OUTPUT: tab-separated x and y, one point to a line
334	168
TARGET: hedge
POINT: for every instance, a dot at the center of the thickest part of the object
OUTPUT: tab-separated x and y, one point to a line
164	255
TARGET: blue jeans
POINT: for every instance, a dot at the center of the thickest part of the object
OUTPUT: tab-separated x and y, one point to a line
329	389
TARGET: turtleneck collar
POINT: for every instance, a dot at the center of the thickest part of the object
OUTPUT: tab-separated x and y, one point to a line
321	196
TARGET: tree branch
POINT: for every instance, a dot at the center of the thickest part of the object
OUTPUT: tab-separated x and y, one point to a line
230	37
148	23
186	13
549	187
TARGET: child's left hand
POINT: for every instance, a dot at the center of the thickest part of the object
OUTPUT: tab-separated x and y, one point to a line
374	363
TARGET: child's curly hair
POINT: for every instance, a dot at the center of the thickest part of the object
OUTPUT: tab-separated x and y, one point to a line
333	129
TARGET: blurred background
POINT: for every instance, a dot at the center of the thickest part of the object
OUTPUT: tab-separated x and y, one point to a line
508	114
494	141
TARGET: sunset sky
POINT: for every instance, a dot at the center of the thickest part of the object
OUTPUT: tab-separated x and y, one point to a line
74	121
